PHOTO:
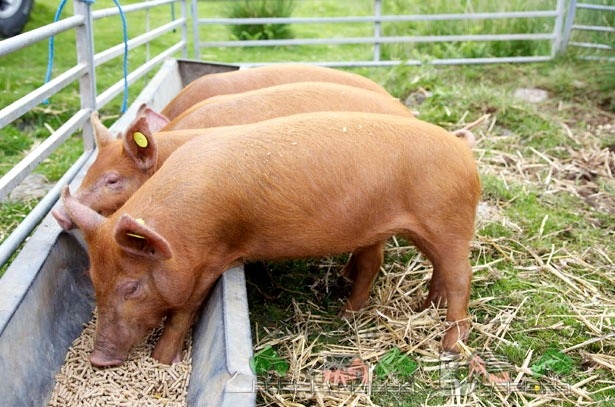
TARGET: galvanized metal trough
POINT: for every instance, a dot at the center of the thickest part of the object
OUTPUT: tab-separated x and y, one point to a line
46	296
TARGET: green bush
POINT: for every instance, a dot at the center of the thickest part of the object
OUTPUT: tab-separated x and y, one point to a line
260	9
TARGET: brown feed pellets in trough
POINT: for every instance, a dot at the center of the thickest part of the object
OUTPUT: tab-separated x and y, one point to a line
140	380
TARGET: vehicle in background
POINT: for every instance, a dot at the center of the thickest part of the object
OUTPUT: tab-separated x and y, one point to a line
14	15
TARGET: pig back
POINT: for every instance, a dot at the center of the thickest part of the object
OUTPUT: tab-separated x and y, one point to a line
261	77
349	174
284	100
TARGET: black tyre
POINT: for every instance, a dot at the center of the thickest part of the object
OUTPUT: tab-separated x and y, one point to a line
13	16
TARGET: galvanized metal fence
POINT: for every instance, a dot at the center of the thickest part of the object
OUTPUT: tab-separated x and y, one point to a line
84	73
554	18
587	31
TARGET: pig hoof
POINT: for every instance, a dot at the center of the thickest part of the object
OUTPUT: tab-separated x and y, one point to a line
166	358
453	348
456	334
344	314
348	309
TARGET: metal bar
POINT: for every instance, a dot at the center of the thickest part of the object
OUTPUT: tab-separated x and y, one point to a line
84	37
371	40
113	11
572	7
596	28
452	61
596	58
373	19
23	105
147	29
21	232
591	45
377	28
195	29
469	61
111	92
595	7
114	52
12	178
38	34
184	28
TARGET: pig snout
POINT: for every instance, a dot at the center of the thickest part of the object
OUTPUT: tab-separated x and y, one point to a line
63	218
106	354
101	359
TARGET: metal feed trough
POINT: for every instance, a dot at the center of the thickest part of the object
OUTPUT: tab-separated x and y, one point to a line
46	297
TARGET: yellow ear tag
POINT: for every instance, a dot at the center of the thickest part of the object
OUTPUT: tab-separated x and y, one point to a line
138	220
140	139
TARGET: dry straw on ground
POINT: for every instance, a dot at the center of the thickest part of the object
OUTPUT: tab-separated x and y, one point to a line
140	381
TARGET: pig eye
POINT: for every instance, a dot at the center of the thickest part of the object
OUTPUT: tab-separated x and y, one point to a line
131	289
112	181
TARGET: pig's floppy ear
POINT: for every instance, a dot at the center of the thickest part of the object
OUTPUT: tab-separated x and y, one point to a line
140	145
134	237
86	219
102	135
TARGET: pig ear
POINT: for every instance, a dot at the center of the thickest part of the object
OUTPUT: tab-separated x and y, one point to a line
83	216
155	120
102	135
141	109
140	145
136	238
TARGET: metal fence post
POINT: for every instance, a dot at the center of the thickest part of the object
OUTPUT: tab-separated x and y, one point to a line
184	12
195	30
570	15
557	45
377	27
84	35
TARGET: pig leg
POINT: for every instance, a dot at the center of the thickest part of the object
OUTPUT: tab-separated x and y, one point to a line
450	284
457	282
169	348
362	268
458	291
437	291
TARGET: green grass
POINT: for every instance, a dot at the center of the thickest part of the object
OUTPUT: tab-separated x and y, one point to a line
541	228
